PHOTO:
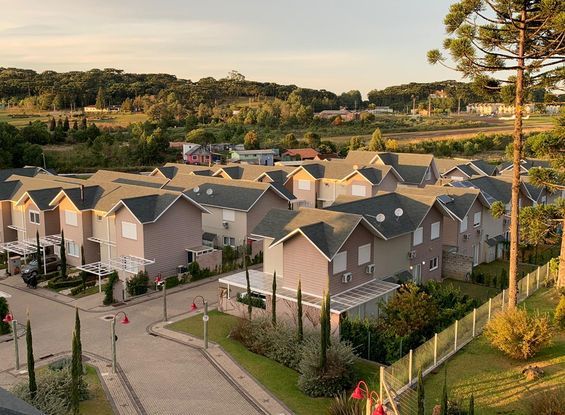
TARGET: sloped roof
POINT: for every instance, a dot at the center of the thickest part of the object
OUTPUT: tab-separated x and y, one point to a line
325	229
148	208
303	153
361	157
85	198
411	166
415	208
374	174
224	196
42	197
8	189
527	163
12	405
485	167
252	171
28	171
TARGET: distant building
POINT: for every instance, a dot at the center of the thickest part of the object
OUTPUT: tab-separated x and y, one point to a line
380	110
300	154
92	109
263	157
196	154
343	113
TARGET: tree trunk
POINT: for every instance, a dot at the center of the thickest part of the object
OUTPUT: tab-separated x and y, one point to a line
561	275
514	216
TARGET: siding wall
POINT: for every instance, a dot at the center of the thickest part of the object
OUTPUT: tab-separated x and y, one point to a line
125	246
166	240
429	248
77	234
465	246
391	256
389	183
309	196
273	258
491	227
6	234
212	222
264	205
360	236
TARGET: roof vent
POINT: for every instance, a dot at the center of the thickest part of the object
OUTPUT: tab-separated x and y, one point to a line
380	218
209	192
196	189
398	212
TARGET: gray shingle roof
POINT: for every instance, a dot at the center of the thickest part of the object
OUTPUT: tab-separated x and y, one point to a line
229	197
527	164
43	197
327	230
487	168
415	208
361	157
168	171
12	405
20	171
148	208
8	189
412	167
86	199
495	187
139	182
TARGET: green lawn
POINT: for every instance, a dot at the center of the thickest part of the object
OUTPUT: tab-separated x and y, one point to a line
495	267
495	380
97	404
87	292
284	384
477	291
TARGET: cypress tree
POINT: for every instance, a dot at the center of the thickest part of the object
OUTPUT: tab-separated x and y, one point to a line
76	370
299	312
83	123
100	99
30	361
75	125
59	122
249	307
444	400
274	300
52	124
420	392
471	405
77	331
66	125
63	254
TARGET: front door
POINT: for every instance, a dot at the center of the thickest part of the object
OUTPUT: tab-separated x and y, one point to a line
417	273
475	255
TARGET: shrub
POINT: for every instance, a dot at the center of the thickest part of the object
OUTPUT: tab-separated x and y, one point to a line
197	273
547	402
253	301
4	309
518	334
172	282
63	282
344	405
109	289
80	289
559	316
137	284
335	377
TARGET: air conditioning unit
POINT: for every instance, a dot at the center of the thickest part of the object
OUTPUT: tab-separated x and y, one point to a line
465	237
226	225
370	269
479	231
347	277
412	254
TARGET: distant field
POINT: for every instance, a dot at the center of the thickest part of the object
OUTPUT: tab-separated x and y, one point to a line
22	118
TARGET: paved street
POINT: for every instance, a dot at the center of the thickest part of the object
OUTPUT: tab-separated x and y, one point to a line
167	377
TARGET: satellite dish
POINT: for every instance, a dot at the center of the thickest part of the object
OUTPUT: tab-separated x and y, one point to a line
209	192
398	212
196	189
380	218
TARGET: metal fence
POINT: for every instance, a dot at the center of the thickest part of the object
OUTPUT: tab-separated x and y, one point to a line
401	376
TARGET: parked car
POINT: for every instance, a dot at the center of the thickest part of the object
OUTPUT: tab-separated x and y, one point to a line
52	263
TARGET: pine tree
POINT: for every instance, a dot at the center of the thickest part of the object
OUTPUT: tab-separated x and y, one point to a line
63	254
100	99
66	124
249	306
420	393
274	300
299	312
471	405
489	37
30	361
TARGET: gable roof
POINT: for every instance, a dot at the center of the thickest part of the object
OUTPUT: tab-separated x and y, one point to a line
170	170
303	153
224	196
415	208
252	171
148	209
411	166
326	230
499	188
28	171
43	197
8	189
525	165
484	167
361	157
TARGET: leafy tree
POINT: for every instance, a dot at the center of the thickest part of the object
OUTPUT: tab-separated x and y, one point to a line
274	300
299	312
289	141
488	37
30	361
356	142
101	99
127	105
63	253
312	139
251	140
4	310
36	133
377	142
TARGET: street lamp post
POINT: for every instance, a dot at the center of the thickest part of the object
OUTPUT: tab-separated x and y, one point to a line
159	281
125	320
205	317
361	392
9	318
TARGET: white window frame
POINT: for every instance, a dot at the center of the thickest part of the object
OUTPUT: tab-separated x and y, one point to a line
71	218
72	248
435	230
433	263
340	262
364	254
358	190
229	240
418	237
228	215
304	184
477	217
129	230
464	224
33	213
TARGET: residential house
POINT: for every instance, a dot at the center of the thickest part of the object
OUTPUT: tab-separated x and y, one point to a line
328	252
196	154
28	171
507	168
170	170
318	184
461	169
415	169
343	113
262	157
300	154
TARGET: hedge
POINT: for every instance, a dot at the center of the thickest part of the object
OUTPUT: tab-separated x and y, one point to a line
57	283
78	290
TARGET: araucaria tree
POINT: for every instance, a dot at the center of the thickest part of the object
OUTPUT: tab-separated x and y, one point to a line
30	361
274	300
521	40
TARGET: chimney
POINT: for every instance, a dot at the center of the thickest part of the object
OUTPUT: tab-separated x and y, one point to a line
82	192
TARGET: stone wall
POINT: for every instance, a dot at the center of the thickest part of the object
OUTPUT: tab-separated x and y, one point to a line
210	260
456	265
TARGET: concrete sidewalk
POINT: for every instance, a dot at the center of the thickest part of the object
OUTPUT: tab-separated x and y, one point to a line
216	354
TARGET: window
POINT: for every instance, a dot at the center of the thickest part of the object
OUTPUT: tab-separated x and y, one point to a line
435	230
129	230
543	200
364	254
477	220
71	218
303	184
34	217
72	248
418	236
99	218
463	225
229	241
340	262
434	263
228	215
358	190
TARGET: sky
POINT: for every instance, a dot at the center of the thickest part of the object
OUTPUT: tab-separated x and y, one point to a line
333	45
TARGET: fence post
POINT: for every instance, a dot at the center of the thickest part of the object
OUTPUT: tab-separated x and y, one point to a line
474	320
489	307
435	349
537	278
456	330
382	377
528	285
410	367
